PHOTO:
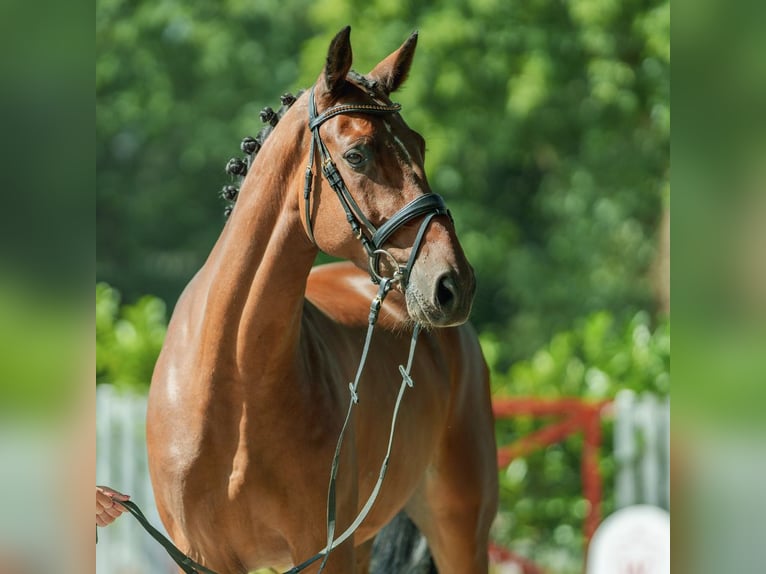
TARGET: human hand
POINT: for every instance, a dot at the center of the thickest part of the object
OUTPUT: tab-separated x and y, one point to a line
107	506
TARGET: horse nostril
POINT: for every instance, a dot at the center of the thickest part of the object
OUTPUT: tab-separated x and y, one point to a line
446	292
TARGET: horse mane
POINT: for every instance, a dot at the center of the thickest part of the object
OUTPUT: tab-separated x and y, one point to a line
237	167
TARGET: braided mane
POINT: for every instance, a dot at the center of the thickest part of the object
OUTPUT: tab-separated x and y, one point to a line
237	168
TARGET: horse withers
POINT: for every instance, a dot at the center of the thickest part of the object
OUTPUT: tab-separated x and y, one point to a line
251	388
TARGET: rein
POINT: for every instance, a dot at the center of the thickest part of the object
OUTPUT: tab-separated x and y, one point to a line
189	566
332	542
186	564
372	238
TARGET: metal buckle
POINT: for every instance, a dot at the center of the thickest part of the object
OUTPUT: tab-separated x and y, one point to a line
398	274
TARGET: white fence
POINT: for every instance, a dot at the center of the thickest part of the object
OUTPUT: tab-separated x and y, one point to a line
642	450
124	547
636	538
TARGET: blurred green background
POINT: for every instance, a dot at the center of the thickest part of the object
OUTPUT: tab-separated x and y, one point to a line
547	126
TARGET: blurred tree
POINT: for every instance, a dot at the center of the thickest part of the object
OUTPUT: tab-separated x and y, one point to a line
548	131
547	126
178	84
128	338
542	507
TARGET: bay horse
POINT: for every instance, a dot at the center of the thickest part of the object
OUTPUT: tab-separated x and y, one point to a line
249	393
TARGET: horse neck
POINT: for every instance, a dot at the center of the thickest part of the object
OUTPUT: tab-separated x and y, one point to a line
258	269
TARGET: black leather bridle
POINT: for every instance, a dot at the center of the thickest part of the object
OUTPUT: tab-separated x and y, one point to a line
372	238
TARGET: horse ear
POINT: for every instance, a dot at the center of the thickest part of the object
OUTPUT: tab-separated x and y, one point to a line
391	72
338	62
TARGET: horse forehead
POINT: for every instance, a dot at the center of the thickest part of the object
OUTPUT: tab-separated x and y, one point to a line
354	126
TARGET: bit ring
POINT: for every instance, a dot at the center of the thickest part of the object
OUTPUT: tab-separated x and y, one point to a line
374	257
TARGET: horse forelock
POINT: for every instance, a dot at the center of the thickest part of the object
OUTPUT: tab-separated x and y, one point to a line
366	84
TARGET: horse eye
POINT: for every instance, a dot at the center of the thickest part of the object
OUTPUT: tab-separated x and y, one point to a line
354	157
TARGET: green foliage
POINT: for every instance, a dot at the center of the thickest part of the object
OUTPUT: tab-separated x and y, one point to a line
594	360
41	362
547	126
128	338
178	84
542	506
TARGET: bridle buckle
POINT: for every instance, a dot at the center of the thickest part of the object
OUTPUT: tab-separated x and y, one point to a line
374	266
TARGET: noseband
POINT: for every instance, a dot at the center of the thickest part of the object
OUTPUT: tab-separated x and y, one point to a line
372	238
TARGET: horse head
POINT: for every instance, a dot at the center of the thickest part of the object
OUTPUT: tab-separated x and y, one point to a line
375	180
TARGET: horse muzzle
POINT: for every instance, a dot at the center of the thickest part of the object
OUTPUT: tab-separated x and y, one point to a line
440	298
